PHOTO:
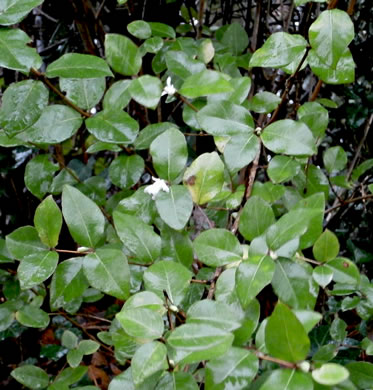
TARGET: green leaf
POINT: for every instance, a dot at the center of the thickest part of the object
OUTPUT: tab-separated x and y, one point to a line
83	217
205	83
36	268
196	342
70	376
335	159
39	174
264	102
78	66
257	215
308	318
125	171
322	275
289	137
282	168
113	126
74	358
122	54
85	93
330	34
177	381
235	369
175	207
32	317
168	276
69	339
68	282
344	271
141	322
326	246
285	379
23	242
138	237
88	347
14	52
13	11
240	151
150	133
338	330
162	30
176	246
343	74
139	29
107	270
31	376
6	316
330	374
204	178
293	284
225	118
361	374
117	97
146	90
217	314
182	65
279	49
315	116
169	153
235	38
147	300
361	169
149	361
280	342
153	45
22	105
48	221
217	247
252	276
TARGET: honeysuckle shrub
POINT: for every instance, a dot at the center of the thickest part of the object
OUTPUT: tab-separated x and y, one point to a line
210	269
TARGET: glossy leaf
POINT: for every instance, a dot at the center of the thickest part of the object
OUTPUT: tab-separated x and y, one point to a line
150	133
217	247
282	168
264	102
78	66
169	153
162	30
330	374
146	90
31	376
279	50
114	126
279	335
139	29
344	271
326	247
12	12
147	300
107	270
204	178
83	217
361	374
153	45
235	38
48	221
36	268
122	54
205	83
252	276
179	63
24	241
175	207
316	118
322	32
289	137
22	105
138	237
322	275
308	318
117	97
335	159
69	339
125	171
32	317
170	277
176	246
177	381
285	379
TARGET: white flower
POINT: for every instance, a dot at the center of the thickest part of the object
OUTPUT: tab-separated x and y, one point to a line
93	110
194	22
158	185
169	89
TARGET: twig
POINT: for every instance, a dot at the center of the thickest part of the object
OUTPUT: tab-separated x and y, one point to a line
199	281
189	104
281	362
72	252
217	273
298	256
201	12
348	201
210	223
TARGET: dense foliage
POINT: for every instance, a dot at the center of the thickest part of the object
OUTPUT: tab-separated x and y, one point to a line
191	212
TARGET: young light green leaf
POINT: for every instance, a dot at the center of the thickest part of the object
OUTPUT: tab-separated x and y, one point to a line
48	221
113	126
31	376
326	246
168	276
316	118
125	171
264	102
32	317
35	268
204	178
322	275
117	97
74	358
175	207
323	32
83	217
335	159
330	374
24	241
308	318
285	379
78	66
88	347
69	339
122	54
146	90
138	237
252	276
280	333
289	137
107	270
169	153
139	29
22	105
217	247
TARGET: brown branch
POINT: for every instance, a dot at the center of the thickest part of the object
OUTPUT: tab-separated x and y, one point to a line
351	6
217	273
189	104
348	201
281	362
316	91
72	252
201	13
